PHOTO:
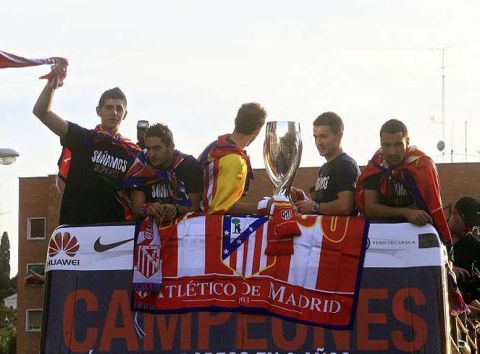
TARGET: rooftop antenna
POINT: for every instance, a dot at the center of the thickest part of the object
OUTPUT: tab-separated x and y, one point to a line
451	144
441	143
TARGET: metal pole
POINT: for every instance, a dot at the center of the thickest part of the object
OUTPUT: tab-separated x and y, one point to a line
466	123
451	145
443	93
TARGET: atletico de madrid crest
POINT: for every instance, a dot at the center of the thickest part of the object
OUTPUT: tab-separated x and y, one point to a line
149	260
286	214
243	245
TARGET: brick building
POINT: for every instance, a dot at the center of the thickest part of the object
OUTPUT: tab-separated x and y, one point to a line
39	203
38	216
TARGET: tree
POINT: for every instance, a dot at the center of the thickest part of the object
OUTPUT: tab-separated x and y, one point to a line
7	330
4	266
13	285
7	287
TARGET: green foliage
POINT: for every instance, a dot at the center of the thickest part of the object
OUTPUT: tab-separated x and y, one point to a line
13	285
5	283
8	287
8	340
8	331
5	254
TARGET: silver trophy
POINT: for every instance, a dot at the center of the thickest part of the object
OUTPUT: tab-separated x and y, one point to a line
282	151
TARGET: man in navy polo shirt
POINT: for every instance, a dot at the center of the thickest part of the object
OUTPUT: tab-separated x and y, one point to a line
333	192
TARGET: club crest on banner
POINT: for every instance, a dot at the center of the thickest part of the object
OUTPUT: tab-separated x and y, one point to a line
286	214
149	260
243	248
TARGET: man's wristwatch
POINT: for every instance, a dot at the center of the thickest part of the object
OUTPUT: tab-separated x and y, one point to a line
315	207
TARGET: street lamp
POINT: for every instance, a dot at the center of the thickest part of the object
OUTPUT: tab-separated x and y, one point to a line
7	156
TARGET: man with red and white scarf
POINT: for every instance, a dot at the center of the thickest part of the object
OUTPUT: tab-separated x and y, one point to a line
164	185
164	182
401	183
94	161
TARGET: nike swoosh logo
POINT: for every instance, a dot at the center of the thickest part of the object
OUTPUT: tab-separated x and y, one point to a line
100	247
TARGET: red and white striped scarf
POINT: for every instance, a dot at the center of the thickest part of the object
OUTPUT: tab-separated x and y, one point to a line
147	258
8	60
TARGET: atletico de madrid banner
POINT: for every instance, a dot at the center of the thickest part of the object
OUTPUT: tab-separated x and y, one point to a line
219	263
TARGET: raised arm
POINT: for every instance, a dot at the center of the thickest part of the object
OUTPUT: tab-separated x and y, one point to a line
43	111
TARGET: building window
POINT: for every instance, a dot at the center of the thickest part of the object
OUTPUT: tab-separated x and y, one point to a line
38	268
36	228
34	320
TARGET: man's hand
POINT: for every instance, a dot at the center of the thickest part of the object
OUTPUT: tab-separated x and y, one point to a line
297	194
59	68
155	210
305	206
169	211
161	212
461	273
418	217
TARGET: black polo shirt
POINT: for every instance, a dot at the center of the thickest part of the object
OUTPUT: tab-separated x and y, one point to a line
97	168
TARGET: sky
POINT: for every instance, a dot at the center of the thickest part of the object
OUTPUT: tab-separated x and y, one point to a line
191	64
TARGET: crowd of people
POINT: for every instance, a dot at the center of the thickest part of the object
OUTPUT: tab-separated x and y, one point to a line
110	179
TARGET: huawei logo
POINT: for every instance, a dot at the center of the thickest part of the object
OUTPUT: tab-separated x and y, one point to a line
63	242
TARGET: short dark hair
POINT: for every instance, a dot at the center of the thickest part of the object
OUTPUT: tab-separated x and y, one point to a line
114	93
161	131
469	210
250	117
393	126
330	119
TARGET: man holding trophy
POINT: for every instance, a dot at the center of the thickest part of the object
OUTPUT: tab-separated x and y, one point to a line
333	193
226	165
